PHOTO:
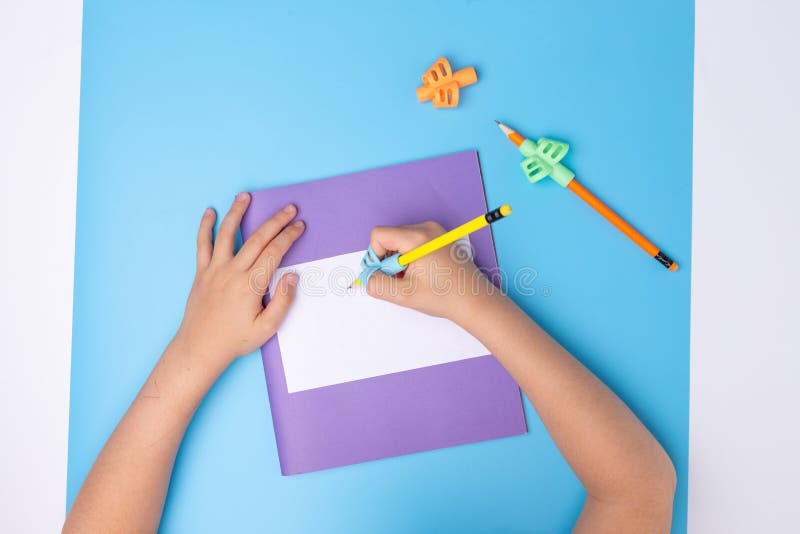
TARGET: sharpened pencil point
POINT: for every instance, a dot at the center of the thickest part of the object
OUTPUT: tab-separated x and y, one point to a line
505	129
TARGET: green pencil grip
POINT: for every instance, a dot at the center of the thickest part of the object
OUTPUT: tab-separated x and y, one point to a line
542	159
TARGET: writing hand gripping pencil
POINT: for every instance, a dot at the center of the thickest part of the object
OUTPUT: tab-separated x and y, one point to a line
628	477
398	262
426	285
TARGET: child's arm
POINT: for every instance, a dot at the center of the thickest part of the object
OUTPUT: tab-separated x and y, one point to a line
629	479
224	318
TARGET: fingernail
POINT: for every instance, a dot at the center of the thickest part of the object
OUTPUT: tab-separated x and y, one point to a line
299	224
241	197
292	278
289	208
209	212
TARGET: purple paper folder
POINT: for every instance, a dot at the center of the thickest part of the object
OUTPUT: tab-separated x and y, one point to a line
411	411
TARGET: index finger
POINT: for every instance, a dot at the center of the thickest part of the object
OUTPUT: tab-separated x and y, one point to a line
263	235
384	239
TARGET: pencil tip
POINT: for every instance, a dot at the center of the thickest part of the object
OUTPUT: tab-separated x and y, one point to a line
503	128
497	121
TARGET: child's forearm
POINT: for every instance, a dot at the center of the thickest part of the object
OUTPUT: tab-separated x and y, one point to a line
126	487
612	453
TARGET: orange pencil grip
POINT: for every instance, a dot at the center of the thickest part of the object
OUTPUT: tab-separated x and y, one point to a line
441	84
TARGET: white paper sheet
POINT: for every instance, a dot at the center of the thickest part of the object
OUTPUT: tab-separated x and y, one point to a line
334	335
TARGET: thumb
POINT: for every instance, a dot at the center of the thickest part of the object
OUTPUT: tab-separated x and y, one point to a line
271	317
390	288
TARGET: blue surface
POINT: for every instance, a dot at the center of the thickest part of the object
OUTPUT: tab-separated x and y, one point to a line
185	103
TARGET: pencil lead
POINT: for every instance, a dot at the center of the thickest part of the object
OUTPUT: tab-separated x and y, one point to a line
503	128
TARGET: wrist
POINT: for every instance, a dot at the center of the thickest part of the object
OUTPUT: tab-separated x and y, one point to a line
472	307
180	379
205	359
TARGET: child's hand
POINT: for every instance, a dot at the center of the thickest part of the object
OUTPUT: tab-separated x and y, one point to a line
443	283
224	315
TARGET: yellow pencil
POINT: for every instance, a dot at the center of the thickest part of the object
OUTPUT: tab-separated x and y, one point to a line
398	262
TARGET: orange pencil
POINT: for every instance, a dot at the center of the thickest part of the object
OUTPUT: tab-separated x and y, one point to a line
542	160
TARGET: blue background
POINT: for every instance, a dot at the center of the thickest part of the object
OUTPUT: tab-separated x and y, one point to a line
183	104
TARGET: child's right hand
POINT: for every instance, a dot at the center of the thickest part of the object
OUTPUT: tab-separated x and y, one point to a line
444	283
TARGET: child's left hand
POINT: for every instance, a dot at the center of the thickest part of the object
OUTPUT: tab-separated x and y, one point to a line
224	316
